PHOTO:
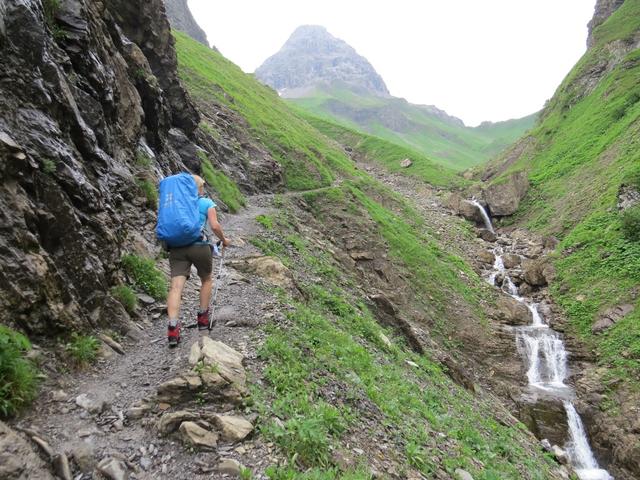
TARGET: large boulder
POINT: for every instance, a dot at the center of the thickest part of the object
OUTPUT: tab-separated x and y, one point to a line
512	311
271	269
503	197
464	208
539	272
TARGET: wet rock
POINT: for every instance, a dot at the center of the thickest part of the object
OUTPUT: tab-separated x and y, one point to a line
197	436
512	311
90	403
233	428
406	163
230	466
503	198
560	455
511	260
486	257
487	235
61	466
610	317
464	208
113	469
546	418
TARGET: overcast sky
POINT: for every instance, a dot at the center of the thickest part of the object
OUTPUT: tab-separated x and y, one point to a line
476	59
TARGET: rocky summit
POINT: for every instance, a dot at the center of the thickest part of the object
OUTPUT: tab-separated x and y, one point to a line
313	56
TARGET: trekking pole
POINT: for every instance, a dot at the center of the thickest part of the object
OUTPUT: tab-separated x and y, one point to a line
215	291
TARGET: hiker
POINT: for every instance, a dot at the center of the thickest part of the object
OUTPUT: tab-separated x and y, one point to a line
198	252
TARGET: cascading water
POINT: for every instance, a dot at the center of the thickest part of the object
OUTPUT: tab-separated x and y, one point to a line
544	351
483	212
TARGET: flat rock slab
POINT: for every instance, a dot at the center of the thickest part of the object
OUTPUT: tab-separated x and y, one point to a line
233	428
194	434
113	469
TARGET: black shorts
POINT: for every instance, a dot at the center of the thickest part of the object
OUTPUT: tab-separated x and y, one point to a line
181	259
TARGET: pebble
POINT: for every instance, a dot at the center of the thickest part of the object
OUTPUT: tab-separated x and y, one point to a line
145	463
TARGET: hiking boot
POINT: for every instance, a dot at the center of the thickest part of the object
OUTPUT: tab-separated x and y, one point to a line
203	320
173	333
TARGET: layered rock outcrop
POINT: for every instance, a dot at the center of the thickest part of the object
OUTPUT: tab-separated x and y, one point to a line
86	89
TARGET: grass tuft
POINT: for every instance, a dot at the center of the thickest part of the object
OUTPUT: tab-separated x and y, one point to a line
18	376
226	188
145	275
126	296
83	349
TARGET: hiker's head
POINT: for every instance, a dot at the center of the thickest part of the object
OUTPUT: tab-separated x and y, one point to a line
199	183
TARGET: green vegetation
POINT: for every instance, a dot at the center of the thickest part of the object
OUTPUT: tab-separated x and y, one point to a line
126	296
444	140
48	166
631	223
142	159
307	159
82	349
150	192
227	190
387	153
265	220
327	364
145	275
586	146
18	376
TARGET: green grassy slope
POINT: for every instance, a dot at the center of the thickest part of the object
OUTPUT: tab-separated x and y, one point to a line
330	341
394	119
386	153
307	159
586	147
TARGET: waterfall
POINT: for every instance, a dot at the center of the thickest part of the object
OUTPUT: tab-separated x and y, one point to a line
579	451
543	350
483	212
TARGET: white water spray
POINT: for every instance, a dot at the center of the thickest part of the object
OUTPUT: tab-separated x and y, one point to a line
483	212
546	357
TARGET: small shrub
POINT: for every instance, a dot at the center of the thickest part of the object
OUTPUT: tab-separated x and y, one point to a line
145	275
142	159
50	7
631	223
83	349
126	296
266	221
150	192
48	166
18	380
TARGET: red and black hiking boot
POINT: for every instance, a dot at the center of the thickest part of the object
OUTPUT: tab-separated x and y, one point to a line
203	320
173	333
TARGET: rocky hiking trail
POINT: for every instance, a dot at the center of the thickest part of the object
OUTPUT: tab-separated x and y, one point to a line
145	411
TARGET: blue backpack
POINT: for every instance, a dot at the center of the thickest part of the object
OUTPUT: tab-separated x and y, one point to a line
178	215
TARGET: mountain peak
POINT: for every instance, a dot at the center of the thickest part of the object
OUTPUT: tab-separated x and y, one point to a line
313	56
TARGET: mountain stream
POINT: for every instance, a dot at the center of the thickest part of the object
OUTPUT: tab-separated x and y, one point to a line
545	357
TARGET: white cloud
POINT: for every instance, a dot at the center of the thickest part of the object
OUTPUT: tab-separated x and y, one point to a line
478	60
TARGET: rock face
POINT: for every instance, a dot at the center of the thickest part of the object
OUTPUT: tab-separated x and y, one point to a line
181	19
503	198
79	108
311	56
603	10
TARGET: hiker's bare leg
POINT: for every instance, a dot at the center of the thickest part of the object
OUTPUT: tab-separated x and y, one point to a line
205	292
175	295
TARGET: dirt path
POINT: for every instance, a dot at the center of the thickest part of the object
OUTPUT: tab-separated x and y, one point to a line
124	381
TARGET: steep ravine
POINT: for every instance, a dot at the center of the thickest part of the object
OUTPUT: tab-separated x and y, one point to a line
525	256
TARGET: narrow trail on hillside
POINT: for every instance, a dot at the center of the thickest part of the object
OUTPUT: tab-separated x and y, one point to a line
119	420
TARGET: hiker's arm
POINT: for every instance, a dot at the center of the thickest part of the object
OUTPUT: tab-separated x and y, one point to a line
215	226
